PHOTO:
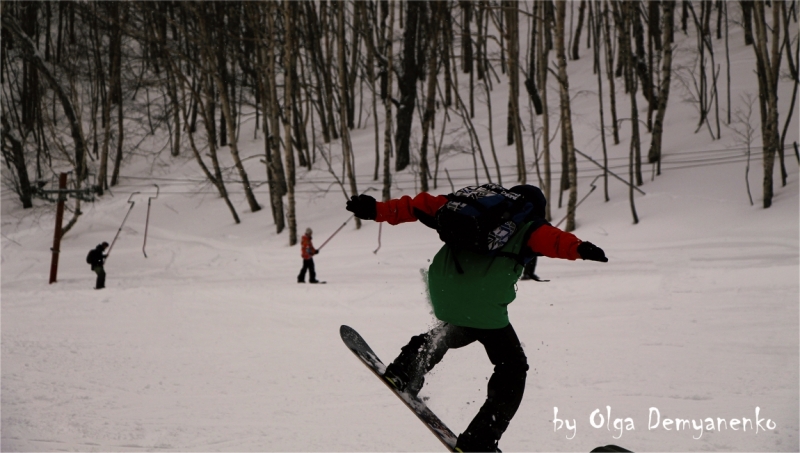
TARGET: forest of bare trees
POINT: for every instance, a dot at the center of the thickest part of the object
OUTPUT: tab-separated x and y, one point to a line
87	85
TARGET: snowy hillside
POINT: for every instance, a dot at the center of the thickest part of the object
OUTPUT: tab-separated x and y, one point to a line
208	344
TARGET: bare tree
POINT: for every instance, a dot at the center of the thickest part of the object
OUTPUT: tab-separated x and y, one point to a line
201	92
408	85
793	63
566	114
387	102
654	156
610	72
634	162
768	65
514	126
542	29
279	186
32	54
746	134
289	58
578	29
595	21
218	74
437	11
347	146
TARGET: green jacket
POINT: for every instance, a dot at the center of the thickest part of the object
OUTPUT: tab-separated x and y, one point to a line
479	296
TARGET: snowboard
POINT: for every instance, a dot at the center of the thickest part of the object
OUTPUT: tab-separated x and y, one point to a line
361	349
610	448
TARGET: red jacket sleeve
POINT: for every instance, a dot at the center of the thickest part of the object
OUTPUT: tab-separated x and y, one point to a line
554	243
401	209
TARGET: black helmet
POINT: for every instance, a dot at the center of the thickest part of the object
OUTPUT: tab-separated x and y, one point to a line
534	195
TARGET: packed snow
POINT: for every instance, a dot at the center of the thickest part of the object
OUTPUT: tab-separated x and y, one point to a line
686	340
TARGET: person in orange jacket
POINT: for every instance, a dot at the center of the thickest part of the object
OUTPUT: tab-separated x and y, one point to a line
307	251
470	293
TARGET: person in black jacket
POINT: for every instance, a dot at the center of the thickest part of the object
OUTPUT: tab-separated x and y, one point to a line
96	259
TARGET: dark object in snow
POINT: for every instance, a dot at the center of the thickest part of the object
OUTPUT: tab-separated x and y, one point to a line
609	448
361	349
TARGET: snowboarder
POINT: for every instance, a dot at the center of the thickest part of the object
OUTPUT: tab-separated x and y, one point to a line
307	251
96	258
469	294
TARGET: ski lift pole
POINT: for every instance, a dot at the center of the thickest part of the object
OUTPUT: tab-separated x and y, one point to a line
62	186
123	224
380	228
335	232
584	197
147	221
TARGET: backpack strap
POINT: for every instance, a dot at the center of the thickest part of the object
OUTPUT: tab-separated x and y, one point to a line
524	255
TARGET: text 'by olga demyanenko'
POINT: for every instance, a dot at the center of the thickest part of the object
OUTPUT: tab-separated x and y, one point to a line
696	426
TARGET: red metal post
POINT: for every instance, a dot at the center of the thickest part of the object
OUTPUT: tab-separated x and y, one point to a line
62	185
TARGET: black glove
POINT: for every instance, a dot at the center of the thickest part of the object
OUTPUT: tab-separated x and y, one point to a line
363	206
589	251
316	252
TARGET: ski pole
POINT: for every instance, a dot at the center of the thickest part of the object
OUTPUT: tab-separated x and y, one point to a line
147	222
334	233
123	224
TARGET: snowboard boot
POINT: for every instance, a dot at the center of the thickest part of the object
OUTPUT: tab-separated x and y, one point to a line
467	443
400	380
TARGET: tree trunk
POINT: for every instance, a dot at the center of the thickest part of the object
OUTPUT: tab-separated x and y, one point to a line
387	105
767	88
430	96
610	71
289	58
408	86
274	161
576	42
747	19
596	25
634	163
654	156
466	36
318	67
102	177
566	114
326	71
515	132
17	157
347	146
543	51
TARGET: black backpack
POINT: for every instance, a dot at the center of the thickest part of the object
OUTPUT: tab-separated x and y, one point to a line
90	257
482	219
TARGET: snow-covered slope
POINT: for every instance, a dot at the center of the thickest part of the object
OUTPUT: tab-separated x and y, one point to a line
208	344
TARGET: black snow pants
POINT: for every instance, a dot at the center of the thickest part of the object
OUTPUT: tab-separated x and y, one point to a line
101	277
308	265
506	385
